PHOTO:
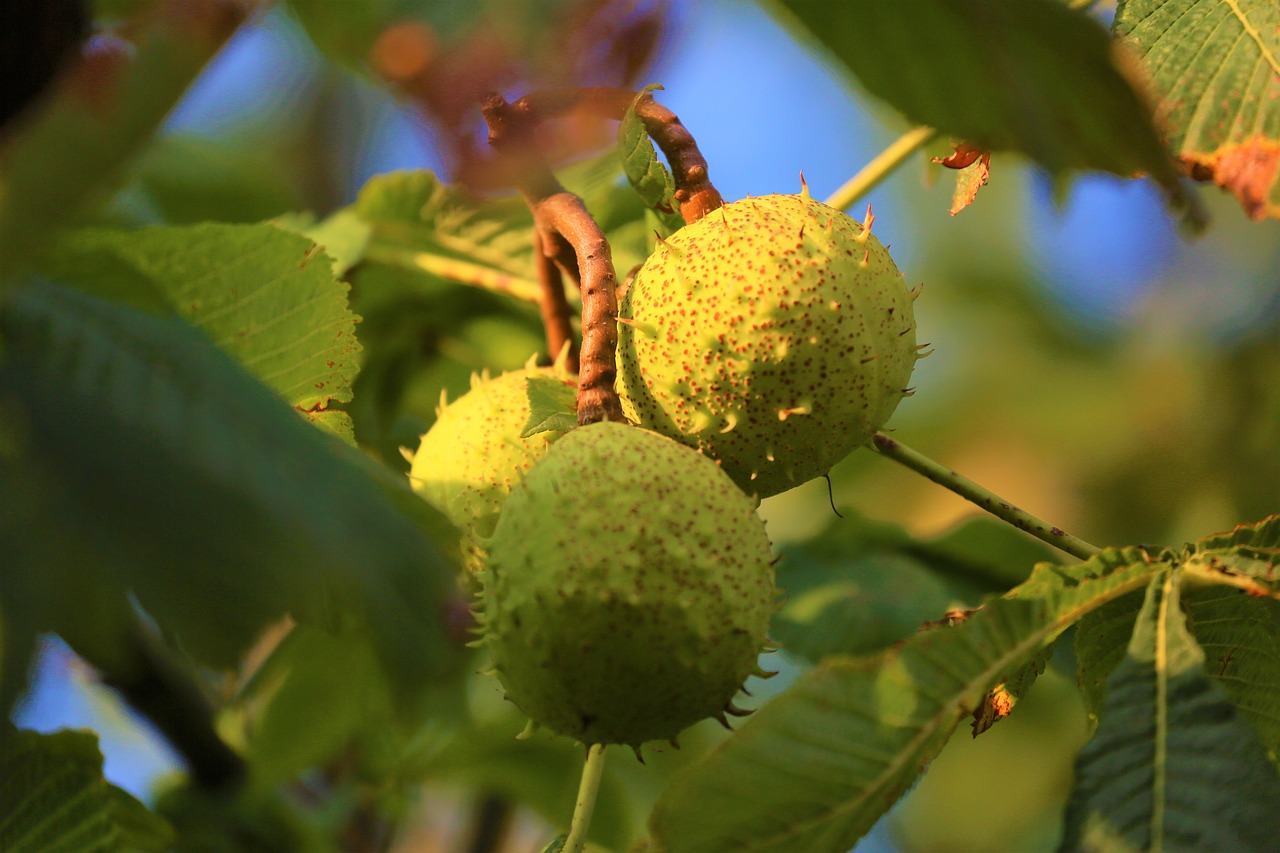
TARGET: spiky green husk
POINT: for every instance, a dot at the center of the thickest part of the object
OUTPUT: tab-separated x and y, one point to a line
628	589
472	457
775	335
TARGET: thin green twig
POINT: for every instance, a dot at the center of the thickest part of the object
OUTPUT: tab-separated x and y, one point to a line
992	503
881	167
592	771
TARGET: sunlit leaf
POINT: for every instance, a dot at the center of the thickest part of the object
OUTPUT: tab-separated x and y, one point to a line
343	236
1215	68
552	406
850	736
648	175
53	797
263	295
1021	75
419	223
1172	766
969	180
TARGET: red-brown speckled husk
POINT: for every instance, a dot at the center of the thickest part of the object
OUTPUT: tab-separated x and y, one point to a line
628	590
775	336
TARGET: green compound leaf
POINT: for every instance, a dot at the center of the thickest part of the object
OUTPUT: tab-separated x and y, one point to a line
53	797
861	585
1240	636
343	236
1215	68
420	224
1018	75
647	174
1101	640
851	735
160	468
1236	620
1172	766
553	406
1250	550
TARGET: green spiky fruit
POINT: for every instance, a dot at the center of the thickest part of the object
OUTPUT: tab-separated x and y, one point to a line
628	590
473	455
775	335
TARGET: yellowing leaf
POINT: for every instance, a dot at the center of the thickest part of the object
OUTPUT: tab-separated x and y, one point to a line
1215	68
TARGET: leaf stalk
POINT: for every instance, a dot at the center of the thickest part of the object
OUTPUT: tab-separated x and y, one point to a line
881	167
592	773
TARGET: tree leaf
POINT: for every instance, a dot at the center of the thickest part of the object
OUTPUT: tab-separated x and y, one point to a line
648	175
969	180
553	406
1249	550
343	236
418	223
1240	637
1101	640
1172	766
330	691
179	478
850	736
860	585
1215	68
1020	75
53	796
1237	624
1001	699
262	294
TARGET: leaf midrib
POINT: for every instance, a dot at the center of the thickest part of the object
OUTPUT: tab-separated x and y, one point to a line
1270	57
953	709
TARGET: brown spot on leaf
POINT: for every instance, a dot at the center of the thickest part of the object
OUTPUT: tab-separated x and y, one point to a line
1248	170
995	706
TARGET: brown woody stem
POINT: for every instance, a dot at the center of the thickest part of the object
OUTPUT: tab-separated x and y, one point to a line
555	306
567	235
694	192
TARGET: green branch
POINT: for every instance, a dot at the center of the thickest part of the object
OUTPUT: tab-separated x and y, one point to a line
992	503
881	167
592	772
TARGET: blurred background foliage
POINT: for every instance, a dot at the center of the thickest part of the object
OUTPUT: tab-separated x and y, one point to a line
1090	364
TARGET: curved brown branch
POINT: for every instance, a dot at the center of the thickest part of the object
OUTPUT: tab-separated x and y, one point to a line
694	191
554	305
568	235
